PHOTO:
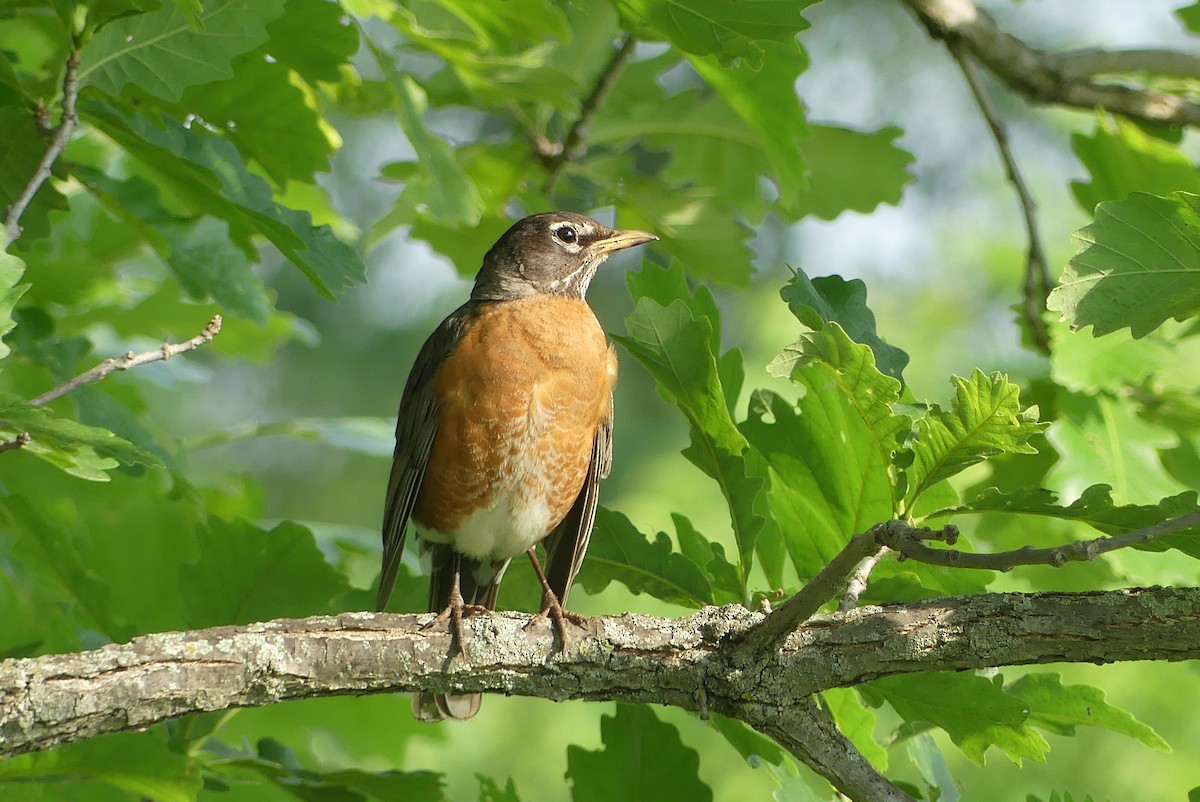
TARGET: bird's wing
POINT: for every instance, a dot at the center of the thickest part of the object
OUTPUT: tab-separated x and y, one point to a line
568	543
416	427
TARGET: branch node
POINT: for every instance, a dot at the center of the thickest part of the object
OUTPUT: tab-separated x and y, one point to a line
21	440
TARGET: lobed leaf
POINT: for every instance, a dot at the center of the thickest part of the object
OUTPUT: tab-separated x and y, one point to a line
1139	265
642	758
985	419
1061	708
163	52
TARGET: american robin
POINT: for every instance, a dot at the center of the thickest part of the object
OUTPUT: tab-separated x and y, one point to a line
505	429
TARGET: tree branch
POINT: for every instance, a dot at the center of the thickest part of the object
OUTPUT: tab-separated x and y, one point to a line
1049	78
21	440
857	584
64	698
1037	271
556	159
12	218
130	360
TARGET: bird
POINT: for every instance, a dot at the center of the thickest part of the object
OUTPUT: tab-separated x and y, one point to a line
505	431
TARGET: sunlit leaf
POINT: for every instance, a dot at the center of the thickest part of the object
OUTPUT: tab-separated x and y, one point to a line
1061	708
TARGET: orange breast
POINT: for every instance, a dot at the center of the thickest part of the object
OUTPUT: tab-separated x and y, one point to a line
520	399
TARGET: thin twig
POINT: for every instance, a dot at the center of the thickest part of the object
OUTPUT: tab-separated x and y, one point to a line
12	218
1037	271
1079	551
858	580
20	441
1088	63
1042	77
130	360
573	145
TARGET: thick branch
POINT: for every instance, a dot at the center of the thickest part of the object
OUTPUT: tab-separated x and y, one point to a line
1048	78
556	159
130	360
686	662
12	218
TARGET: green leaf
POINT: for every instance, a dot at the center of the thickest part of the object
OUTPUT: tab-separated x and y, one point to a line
973	711
1094	364
88	452
642	758
1101	439
207	263
246	574
749	744
11	270
163	54
102	12
287	136
1139	266
727	30
619	552
315	38
832	299
1094	507
209	173
138	763
20	154
1122	158
824	476
927	756
675	343
766	99
985	419
449	195
851	171
722	575
1060	708
490	790
856	722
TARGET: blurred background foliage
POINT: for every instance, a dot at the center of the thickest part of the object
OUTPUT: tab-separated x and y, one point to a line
261	159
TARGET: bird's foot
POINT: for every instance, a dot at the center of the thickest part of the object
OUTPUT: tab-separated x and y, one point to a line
559	616
455	612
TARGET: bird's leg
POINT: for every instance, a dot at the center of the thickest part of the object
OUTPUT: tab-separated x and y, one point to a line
456	610
551	606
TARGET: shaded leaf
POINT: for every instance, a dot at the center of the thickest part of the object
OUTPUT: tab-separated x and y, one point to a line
973	711
749	744
247	574
1139	265
832	299
856	722
163	53
1060	708
490	790
618	551
314	38
642	758
1121	158
728	30
20	153
851	171
88	452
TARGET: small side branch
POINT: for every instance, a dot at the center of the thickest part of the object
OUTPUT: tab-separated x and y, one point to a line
130	360
857	585
20	441
557	158
909	542
1059	79
70	119
911	547
1037	271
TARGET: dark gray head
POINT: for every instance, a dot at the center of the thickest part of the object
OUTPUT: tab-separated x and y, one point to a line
555	253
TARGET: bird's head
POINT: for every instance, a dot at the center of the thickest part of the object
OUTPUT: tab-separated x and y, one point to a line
555	253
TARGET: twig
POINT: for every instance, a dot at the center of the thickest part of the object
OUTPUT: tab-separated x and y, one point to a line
12	218
556	159
858	580
1044	77
1091	62
20	441
1037	271
1080	551
907	540
130	360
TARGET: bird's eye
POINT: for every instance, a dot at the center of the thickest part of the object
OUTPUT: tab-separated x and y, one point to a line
566	234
